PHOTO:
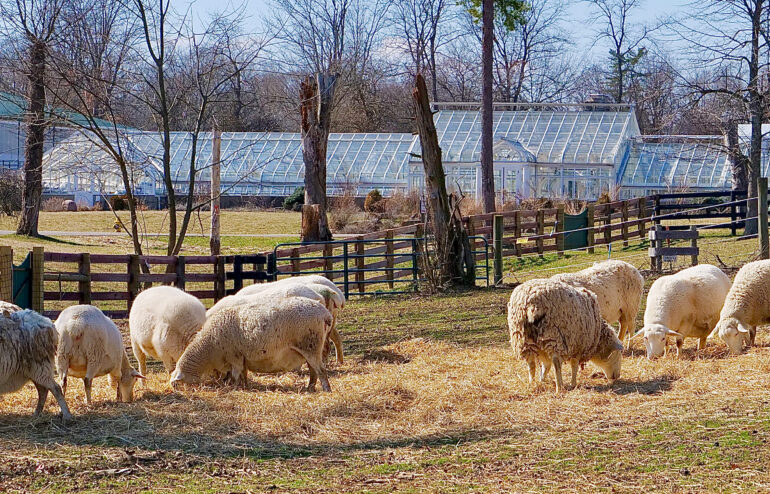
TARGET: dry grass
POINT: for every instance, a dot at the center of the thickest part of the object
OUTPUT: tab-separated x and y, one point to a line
430	399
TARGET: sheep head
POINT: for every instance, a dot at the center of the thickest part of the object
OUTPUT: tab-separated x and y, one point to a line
733	333
655	338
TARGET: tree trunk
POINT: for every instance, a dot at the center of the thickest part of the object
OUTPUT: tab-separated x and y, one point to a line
452	245
754	170
33	150
487	164
738	160
316	97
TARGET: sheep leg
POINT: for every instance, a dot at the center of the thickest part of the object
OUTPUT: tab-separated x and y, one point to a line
42	394
752	335
141	358
574	363
317	369
87	384
702	343
679	342
545	367
557	371
335	337
313	378
169	364
532	369
63	378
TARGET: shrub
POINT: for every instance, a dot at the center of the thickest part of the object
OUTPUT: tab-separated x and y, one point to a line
343	210
373	201
11	186
119	203
295	200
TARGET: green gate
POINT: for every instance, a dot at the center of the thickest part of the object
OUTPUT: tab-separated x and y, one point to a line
578	239
22	283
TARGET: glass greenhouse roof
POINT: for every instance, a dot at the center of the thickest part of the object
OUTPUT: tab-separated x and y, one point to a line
677	161
553	134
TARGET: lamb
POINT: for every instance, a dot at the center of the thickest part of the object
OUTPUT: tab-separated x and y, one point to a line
267	336
90	345
27	349
685	305
335	302
162	322
618	288
746	306
551	321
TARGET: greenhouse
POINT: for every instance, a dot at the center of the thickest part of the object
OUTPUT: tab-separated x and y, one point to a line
540	150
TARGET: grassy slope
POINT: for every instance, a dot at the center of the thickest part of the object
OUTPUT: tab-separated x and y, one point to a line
429	399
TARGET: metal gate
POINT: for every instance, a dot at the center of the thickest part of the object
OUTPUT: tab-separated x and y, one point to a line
22	283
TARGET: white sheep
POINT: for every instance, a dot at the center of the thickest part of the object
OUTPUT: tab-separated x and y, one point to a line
90	345
27	350
335	302
618	287
268	337
551	322
162	322
684	305
7	306
746	306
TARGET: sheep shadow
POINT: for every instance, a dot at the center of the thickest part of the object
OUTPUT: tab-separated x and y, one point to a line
652	386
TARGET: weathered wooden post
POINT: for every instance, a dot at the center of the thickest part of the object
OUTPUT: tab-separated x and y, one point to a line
6	274
329	261
590	225
540	231
560	231
517	231
764	245
180	270
497	241
84	285
216	146
733	215
656	261
694	245
642	216
360	266
608	225
133	279
220	283
624	222
38	268
389	260
656	208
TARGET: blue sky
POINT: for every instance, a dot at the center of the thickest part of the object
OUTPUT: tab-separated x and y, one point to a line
577	19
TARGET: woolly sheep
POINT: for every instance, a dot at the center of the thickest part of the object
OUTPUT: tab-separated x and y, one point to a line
747	305
550	321
27	349
162	322
685	305
7	306
313	280
90	345
268	337
618	288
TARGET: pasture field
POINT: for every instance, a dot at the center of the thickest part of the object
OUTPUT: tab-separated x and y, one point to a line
430	399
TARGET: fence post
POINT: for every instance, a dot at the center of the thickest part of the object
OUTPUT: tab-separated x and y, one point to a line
6	271
237	273
38	268
360	266
624	224
764	245
419	233
328	261
471	229
497	240
656	262
517	231
133	279
733	217
272	267
560	231
84	286
656	208
540	231
590	225
180	270
345	279
220	283
295	261
694	245
389	260
642	216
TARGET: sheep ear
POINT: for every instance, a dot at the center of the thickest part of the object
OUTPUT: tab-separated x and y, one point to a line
671	331
136	374
743	329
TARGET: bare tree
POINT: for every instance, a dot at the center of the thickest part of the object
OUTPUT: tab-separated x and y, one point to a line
33	27
730	55
626	40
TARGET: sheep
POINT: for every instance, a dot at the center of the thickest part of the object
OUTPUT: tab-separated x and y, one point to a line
7	306
267	336
684	305
618	288
746	306
551	321
335	302
162	322
27	349
90	345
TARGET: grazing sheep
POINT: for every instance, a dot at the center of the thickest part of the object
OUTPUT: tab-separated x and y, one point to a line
7	306
335	302
27	350
266	336
551	321
162	322
90	345
618	288
685	305
747	305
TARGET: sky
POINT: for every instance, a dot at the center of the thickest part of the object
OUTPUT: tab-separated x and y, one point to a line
577	19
